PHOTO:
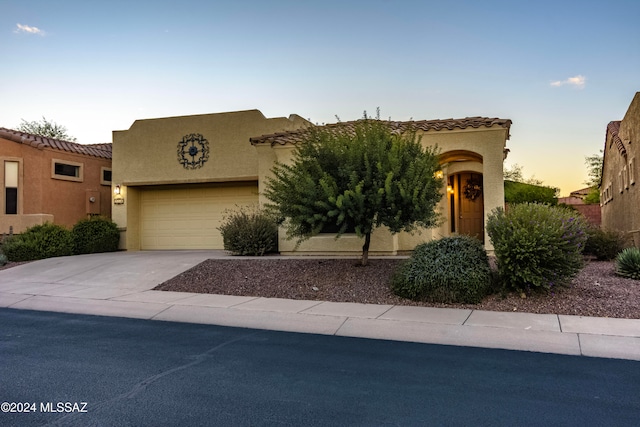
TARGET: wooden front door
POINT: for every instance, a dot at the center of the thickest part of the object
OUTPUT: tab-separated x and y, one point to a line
471	205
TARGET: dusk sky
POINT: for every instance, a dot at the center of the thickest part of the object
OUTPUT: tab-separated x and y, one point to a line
560	70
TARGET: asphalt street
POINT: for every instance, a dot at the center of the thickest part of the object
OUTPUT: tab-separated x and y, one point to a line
79	370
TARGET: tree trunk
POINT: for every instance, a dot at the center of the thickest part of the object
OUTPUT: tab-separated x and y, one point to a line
365	249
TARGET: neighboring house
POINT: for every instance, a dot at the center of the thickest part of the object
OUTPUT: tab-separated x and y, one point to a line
620	192
591	211
176	177
48	180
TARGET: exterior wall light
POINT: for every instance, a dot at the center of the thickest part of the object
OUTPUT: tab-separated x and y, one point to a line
449	189
117	195
438	174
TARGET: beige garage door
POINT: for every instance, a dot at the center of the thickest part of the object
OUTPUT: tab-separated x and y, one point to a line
189	217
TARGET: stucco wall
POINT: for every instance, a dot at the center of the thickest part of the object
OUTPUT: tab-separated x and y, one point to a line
147	155
621	204
41	197
487	145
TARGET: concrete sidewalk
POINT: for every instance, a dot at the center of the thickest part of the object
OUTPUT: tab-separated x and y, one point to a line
119	284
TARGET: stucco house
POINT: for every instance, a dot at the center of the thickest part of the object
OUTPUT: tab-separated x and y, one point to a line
49	180
175	177
472	152
619	191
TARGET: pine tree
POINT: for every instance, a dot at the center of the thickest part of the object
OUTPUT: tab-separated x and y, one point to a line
356	176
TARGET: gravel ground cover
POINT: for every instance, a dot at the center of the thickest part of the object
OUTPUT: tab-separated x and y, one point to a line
595	291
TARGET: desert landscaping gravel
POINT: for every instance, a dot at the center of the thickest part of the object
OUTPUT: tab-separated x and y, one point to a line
595	291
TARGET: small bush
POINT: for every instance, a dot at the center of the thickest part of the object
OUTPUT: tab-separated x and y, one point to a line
537	246
39	242
96	234
449	270
604	245
249	231
628	263
3	260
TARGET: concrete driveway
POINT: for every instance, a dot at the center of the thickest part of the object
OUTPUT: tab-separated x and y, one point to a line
136	271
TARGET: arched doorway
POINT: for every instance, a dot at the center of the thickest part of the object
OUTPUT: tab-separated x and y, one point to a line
466	204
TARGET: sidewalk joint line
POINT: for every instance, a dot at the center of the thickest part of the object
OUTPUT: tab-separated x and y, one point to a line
386	311
580	345
465	320
161	311
341	325
559	323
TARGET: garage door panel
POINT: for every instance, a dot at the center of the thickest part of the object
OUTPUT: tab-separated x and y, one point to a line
188	218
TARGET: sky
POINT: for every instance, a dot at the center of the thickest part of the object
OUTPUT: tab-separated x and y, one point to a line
560	70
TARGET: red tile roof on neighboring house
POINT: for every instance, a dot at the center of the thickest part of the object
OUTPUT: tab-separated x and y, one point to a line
295	136
613	128
581	192
40	142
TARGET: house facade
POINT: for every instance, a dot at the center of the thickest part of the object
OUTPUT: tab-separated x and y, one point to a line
49	180
619	191
175	178
472	152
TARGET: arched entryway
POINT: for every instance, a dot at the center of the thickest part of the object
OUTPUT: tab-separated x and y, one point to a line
465	191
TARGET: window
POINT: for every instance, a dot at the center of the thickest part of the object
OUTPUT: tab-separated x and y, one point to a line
334	229
620	183
67	170
11	188
105	176
632	171
625	182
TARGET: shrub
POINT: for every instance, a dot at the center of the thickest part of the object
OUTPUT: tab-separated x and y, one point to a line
628	263
537	246
249	231
3	260
39	242
452	269
96	234
603	244
520	192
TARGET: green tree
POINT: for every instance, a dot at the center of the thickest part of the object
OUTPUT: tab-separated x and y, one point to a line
594	166
46	128
355	177
515	174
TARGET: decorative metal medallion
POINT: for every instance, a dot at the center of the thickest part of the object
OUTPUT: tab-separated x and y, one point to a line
193	151
473	188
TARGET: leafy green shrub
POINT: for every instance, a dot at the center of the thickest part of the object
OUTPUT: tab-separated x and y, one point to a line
603	244
96	234
39	242
537	246
3	260
249	231
452	269
520	192
628	263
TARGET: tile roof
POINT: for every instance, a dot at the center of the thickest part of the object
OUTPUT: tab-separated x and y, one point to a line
40	142
613	128
295	136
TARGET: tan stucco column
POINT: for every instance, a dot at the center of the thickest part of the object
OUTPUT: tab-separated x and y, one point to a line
493	183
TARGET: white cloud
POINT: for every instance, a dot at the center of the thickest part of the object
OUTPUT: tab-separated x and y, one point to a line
578	81
29	30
